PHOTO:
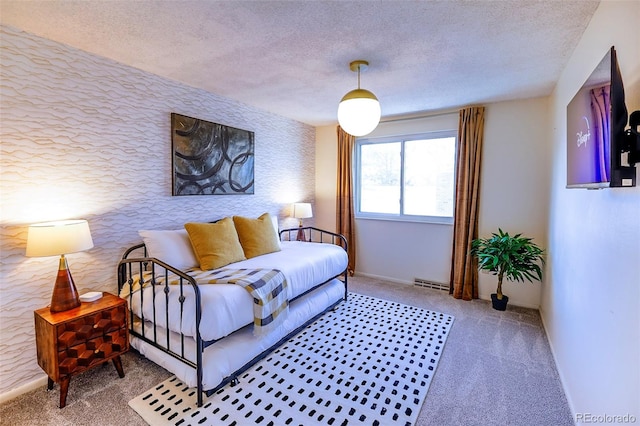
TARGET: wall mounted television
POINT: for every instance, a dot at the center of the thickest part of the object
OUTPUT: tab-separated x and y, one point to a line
597	142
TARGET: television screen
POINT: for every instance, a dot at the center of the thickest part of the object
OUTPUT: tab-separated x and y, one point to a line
596	119
588	130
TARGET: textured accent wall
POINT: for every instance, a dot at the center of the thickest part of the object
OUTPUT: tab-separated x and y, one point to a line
86	137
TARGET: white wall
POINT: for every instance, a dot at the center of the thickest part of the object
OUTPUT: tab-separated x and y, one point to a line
402	251
591	299
85	137
514	196
326	177
514	184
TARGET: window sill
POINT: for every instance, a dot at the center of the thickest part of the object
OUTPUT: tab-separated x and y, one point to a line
429	220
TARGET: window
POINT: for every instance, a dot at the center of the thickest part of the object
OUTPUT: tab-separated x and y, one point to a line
406	178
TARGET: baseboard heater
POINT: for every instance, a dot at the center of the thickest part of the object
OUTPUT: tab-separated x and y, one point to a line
421	282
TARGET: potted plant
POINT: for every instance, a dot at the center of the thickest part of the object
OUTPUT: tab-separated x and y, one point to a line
515	257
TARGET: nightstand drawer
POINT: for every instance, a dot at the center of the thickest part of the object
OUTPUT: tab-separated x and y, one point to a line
90	326
85	355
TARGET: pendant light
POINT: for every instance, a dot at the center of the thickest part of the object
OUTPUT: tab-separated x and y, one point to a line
359	110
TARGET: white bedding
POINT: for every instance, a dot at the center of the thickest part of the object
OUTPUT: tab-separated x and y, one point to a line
228	307
224	357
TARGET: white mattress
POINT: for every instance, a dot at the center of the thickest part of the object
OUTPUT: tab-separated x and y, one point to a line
224	357
228	307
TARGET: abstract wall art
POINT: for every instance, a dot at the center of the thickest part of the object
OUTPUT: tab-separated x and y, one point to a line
210	158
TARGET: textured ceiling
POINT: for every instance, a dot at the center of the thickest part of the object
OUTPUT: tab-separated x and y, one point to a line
292	57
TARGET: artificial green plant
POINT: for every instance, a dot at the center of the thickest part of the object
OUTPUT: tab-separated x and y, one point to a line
516	257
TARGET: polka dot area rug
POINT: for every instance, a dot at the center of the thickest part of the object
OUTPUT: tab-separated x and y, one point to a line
368	362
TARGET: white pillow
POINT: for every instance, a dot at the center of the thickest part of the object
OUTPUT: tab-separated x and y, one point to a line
172	247
274	220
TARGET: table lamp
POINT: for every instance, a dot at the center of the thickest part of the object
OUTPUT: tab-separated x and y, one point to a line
60	238
301	211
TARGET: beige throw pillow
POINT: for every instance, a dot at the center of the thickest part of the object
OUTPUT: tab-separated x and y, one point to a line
215	244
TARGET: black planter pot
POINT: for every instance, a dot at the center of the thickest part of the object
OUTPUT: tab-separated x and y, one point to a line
499	305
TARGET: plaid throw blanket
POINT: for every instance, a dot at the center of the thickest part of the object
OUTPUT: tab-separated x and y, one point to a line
268	288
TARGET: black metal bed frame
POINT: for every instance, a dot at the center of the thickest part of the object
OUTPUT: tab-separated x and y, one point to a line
128	267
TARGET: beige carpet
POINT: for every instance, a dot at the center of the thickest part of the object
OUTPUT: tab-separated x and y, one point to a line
497	369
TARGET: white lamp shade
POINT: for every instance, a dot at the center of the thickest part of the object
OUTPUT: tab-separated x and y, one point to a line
302	210
56	238
359	112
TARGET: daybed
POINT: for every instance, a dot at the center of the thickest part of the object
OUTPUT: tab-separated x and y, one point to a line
204	333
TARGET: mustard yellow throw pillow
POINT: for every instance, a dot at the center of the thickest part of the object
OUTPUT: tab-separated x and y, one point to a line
257	236
215	244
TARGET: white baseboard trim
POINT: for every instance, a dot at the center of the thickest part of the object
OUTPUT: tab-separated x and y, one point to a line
27	387
522	305
563	381
397	281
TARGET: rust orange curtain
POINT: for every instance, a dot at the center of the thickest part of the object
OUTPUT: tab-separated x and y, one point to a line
464	268
345	223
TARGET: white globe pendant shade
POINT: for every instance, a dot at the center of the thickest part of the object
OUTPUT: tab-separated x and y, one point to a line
359	112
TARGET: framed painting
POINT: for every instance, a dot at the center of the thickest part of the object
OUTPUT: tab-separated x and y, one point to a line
210	158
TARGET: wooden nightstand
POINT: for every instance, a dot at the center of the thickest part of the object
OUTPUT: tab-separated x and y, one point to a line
76	340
